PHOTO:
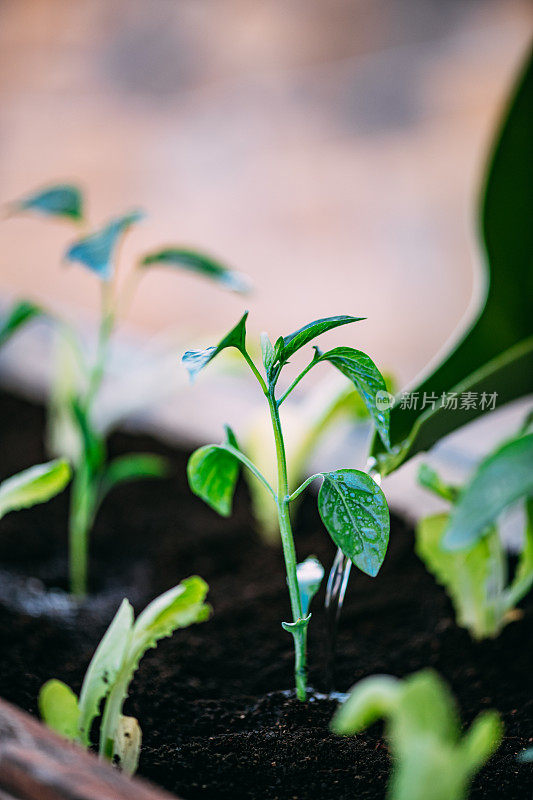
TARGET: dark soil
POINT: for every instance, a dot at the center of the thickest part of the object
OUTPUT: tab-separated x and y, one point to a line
216	719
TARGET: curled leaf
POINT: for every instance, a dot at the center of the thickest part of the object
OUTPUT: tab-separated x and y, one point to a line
213	472
96	252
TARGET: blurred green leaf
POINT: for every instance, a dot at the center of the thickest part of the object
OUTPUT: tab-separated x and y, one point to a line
97	251
58	707
496	353
63	200
200	263
34	485
17	316
354	510
500	479
429	479
195	360
131	467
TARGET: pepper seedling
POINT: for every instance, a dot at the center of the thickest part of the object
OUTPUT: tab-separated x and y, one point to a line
351	504
111	671
464	550
431	760
75	431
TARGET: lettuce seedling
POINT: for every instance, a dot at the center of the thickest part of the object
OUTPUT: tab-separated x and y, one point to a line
111	671
34	485
463	549
430	757
75	432
351	504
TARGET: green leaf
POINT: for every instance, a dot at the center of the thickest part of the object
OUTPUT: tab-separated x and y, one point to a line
58	707
286	346
523	578
195	360
369	700
213	472
104	668
18	315
354	510
482	740
500	479
132	467
202	264
97	251
429	479
467	576
127	745
63	200
309	575
496	354
368	381
34	485
427	707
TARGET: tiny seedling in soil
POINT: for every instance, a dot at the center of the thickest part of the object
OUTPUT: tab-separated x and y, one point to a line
112	669
430	757
75	431
463	549
351	504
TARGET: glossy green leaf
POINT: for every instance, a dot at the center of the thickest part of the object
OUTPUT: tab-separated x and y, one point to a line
34	485
97	251
286	346
368	382
429	479
472	578
58	707
500	479
195	360
496	354
354	510
104	667
63	200
309	575
17	316
200	263
213	472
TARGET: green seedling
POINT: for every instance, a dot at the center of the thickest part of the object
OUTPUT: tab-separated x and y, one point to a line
34	485
74	428
351	504
431	760
463	549
111	671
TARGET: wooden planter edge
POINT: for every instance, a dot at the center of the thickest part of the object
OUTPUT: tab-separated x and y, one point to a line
37	764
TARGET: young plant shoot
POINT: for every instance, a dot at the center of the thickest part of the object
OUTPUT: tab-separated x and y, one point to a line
111	671
463	549
73	418
351	504
431	760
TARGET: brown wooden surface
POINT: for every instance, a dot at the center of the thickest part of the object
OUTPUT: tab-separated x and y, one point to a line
36	764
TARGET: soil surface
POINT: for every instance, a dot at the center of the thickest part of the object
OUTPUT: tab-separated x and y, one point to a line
212	702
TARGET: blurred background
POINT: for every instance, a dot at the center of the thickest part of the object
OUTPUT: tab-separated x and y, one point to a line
330	150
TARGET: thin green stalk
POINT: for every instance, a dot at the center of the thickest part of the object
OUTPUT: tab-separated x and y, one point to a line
295	382
79	524
300	633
